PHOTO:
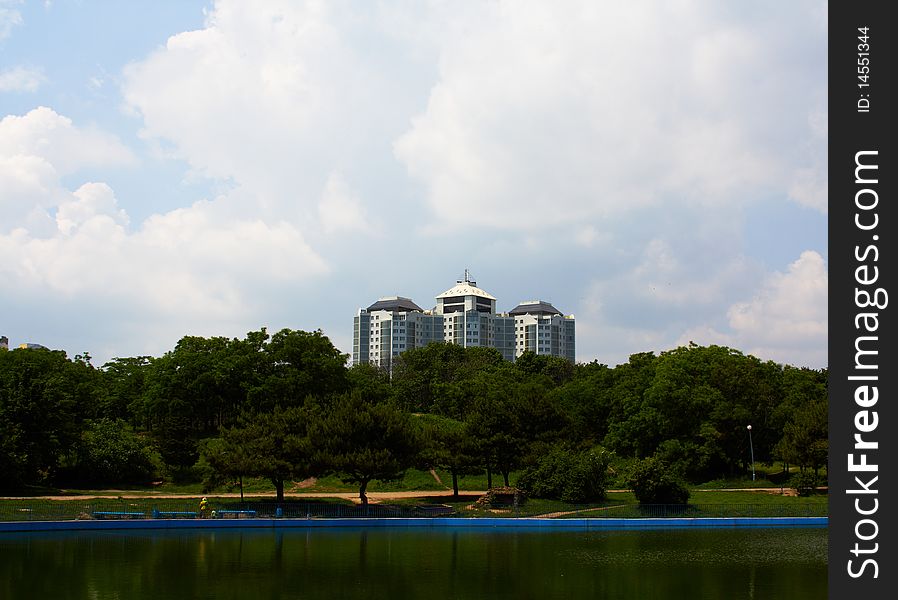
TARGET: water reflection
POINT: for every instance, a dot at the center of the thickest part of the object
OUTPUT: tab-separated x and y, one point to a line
411	563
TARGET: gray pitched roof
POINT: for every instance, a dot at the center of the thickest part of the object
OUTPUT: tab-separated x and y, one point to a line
396	304
536	307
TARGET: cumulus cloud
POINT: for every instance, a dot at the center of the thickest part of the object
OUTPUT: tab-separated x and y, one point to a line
36	150
525	119
52	137
785	321
90	201
21	79
791	306
528	113
193	265
651	293
272	96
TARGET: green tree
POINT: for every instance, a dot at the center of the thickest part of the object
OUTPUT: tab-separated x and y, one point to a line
124	383
295	365
432	379
39	418
274	445
188	395
204	384
802	419
372	382
109	453
365	441
587	402
447	444
805	440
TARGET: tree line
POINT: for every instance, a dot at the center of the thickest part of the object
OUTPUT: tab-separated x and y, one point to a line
285	406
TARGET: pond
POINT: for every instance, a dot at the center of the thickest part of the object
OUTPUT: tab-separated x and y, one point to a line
413	563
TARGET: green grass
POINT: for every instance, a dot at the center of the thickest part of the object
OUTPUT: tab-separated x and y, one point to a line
617	504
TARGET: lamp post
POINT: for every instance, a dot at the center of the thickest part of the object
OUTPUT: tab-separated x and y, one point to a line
752	448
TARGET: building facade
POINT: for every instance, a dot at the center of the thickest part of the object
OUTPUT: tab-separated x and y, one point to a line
464	315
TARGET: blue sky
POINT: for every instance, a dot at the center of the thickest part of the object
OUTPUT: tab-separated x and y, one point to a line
210	168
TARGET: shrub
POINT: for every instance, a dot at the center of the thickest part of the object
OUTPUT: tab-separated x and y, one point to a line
805	483
654	482
568	475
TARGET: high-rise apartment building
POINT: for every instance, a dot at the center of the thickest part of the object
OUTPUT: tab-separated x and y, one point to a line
391	326
464	315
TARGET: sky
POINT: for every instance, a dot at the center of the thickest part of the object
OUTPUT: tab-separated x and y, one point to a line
178	167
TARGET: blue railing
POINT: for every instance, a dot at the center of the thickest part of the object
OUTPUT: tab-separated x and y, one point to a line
150	508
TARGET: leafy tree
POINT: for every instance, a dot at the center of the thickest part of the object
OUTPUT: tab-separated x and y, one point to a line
224	463
272	444
365	441
510	411
805	438
557	369
447	444
802	419
205	384
298	364
109	452
630	432
38	414
587	402
124	383
188	395
434	379
372	382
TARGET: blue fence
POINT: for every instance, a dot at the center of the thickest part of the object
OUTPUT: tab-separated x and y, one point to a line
149	508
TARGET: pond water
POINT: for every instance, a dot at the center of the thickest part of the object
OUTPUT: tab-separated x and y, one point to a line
413	563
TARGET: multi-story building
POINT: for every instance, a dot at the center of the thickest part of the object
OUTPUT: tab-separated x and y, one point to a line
543	329
389	327
4	342
464	315
470	319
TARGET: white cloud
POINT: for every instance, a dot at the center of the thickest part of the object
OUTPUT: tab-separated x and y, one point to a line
599	108
38	148
90	201
266	95
29	186
643	298
9	17
340	208
21	79
791	306
785	321
809	188
208	262
44	133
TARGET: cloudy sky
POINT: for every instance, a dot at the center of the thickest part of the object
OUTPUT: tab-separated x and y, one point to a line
174	167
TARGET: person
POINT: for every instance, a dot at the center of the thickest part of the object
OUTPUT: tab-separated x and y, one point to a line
204	508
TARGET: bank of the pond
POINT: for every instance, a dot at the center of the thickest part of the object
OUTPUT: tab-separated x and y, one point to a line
456	523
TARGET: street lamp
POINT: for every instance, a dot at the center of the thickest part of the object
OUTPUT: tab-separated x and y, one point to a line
752	448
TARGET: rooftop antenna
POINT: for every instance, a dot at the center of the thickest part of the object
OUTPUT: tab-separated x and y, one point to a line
467	279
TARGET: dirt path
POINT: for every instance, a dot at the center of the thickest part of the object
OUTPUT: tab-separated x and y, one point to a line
348	495
354	496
